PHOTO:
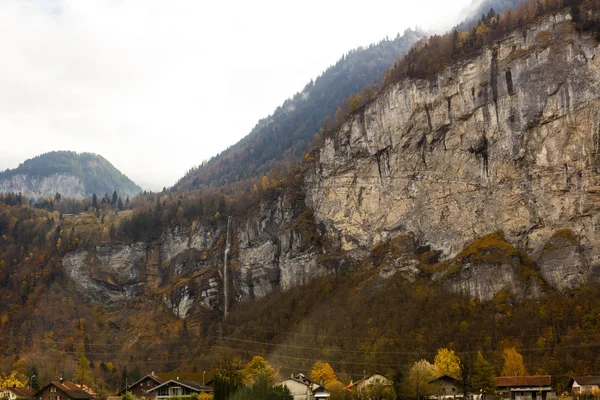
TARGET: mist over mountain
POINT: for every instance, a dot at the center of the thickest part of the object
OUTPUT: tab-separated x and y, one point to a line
480	7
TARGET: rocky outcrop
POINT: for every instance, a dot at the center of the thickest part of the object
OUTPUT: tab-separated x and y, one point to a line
563	261
508	141
35	187
107	274
274	249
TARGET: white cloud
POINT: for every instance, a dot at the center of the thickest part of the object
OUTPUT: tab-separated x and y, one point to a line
158	86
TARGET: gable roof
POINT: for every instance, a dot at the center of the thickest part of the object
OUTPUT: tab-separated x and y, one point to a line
69	388
527	381
585	380
20	391
192	385
151	376
446	378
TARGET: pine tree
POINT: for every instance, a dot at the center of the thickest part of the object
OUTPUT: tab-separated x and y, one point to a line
483	375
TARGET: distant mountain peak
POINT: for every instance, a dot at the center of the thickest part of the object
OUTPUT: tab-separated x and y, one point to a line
71	174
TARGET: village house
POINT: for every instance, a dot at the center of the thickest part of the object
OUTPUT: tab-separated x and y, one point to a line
538	387
175	388
61	390
141	388
303	388
584	384
11	393
445	387
363	384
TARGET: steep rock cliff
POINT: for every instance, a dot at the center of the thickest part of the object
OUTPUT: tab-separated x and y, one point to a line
508	141
483	180
34	187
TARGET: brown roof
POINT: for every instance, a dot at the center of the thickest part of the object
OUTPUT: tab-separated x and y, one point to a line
585	380
155	378
527	381
70	389
446	378
21	391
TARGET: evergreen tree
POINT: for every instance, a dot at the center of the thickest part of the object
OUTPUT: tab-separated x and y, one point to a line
114	198
483	375
120	205
94	201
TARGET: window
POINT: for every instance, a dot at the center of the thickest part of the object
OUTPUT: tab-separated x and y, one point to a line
53	389
148	384
57	397
174	391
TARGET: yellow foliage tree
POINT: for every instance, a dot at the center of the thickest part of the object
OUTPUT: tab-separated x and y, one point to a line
446	363
264	183
256	368
513	363
12	380
336	389
322	373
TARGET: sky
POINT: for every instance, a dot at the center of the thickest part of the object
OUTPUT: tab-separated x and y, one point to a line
156	87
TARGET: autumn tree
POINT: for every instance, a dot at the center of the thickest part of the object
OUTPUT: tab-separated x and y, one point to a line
336	389
258	367
322	373
83	374
378	391
513	363
417	383
447	363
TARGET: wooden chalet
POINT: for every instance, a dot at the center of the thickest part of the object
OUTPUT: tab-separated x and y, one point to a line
142	388
446	387
61	390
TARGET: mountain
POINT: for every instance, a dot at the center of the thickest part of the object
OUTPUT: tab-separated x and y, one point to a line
68	173
457	208
287	133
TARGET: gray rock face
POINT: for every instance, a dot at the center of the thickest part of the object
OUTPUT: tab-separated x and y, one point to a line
109	274
483	281
562	261
506	141
273	253
35	187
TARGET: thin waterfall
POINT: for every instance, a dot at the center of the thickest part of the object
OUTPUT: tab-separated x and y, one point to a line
227	247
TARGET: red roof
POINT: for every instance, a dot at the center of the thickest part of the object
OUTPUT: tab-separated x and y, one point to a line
525	381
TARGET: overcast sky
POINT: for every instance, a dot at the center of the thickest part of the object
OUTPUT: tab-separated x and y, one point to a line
157	86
